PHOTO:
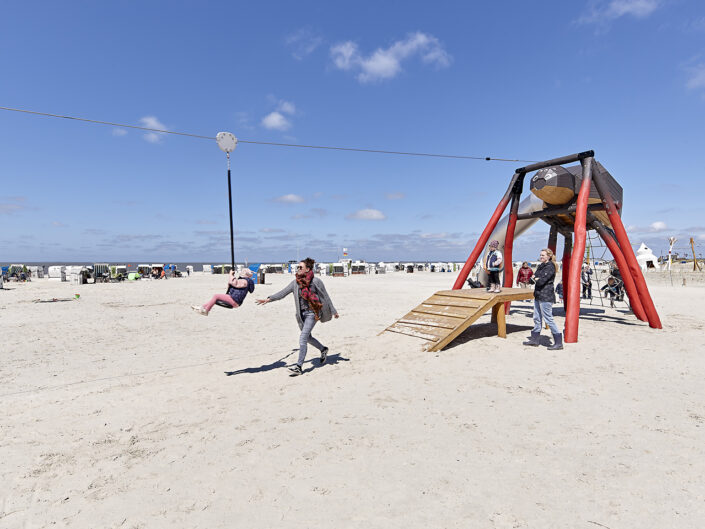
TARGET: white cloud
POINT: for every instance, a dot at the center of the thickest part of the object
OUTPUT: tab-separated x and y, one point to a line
302	43
345	55
395	196
696	79
290	199
605	11
441	235
275	121
287	107
386	63
58	224
658	226
367	214
119	132
271	230
10	205
152	122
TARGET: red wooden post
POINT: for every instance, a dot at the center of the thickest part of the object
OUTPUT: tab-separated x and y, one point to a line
572	293
627	251
463	275
509	239
553	238
629	285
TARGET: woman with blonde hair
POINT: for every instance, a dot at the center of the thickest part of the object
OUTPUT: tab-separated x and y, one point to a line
544	298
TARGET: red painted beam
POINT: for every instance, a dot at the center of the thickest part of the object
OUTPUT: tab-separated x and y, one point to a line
627	251
509	245
629	284
553	239
465	272
572	293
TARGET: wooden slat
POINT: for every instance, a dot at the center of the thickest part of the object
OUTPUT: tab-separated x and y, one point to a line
445	310
432	334
469	293
431	320
449	301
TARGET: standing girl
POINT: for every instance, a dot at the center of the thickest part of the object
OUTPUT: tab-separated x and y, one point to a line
493	264
544	298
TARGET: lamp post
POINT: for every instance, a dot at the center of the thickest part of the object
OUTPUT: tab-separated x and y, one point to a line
227	143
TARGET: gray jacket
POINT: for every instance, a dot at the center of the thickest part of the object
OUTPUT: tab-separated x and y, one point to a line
318	288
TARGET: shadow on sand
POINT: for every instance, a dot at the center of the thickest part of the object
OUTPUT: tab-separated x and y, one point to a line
332	359
485	330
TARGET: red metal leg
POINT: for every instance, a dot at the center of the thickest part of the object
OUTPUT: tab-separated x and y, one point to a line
629	285
572	293
465	272
553	239
509	245
628	252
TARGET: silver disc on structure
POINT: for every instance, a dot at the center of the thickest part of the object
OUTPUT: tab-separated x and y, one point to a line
226	141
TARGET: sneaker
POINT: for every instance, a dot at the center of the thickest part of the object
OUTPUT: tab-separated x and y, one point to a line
200	310
324	355
295	370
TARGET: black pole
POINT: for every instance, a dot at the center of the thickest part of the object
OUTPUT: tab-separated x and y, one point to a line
555	161
230	204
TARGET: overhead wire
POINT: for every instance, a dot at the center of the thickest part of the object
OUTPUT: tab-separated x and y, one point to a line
253	142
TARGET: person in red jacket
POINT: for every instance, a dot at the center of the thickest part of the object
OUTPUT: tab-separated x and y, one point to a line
524	275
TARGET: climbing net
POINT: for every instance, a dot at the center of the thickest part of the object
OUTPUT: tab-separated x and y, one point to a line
595	252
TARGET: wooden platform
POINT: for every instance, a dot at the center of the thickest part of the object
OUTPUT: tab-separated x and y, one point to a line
442	317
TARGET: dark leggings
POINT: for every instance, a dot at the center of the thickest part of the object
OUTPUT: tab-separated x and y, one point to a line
493	278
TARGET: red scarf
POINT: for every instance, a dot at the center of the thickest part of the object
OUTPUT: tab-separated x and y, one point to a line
304	281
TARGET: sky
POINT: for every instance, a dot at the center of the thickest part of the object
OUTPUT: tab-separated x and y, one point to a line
512	79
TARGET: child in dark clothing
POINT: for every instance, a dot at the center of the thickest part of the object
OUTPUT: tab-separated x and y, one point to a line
612	289
559	291
238	287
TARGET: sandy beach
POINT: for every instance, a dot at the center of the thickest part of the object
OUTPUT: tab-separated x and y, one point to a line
126	409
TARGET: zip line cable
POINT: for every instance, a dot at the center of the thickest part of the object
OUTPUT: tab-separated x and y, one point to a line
325	147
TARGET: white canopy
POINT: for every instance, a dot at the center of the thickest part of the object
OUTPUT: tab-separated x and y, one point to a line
646	258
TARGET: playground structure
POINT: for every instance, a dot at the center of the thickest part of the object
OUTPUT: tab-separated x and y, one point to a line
572	200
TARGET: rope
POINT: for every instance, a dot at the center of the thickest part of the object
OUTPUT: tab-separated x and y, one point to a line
253	142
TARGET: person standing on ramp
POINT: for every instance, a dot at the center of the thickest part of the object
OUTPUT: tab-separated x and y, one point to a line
312	305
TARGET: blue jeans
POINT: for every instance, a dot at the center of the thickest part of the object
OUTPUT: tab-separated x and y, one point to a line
544	310
309	321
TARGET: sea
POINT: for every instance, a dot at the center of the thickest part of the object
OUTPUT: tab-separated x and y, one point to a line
131	266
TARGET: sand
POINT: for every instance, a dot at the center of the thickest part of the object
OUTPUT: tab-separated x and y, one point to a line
125	409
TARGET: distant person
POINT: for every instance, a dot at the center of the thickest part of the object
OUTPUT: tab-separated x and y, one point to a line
493	264
612	289
238	288
586	281
544	298
312	305
559	291
524	275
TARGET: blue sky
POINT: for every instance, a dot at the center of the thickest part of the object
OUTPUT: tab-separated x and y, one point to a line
515	79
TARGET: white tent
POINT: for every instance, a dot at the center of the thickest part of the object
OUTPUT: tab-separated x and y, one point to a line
646	258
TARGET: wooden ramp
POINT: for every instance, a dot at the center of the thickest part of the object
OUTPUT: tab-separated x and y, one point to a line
442	317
